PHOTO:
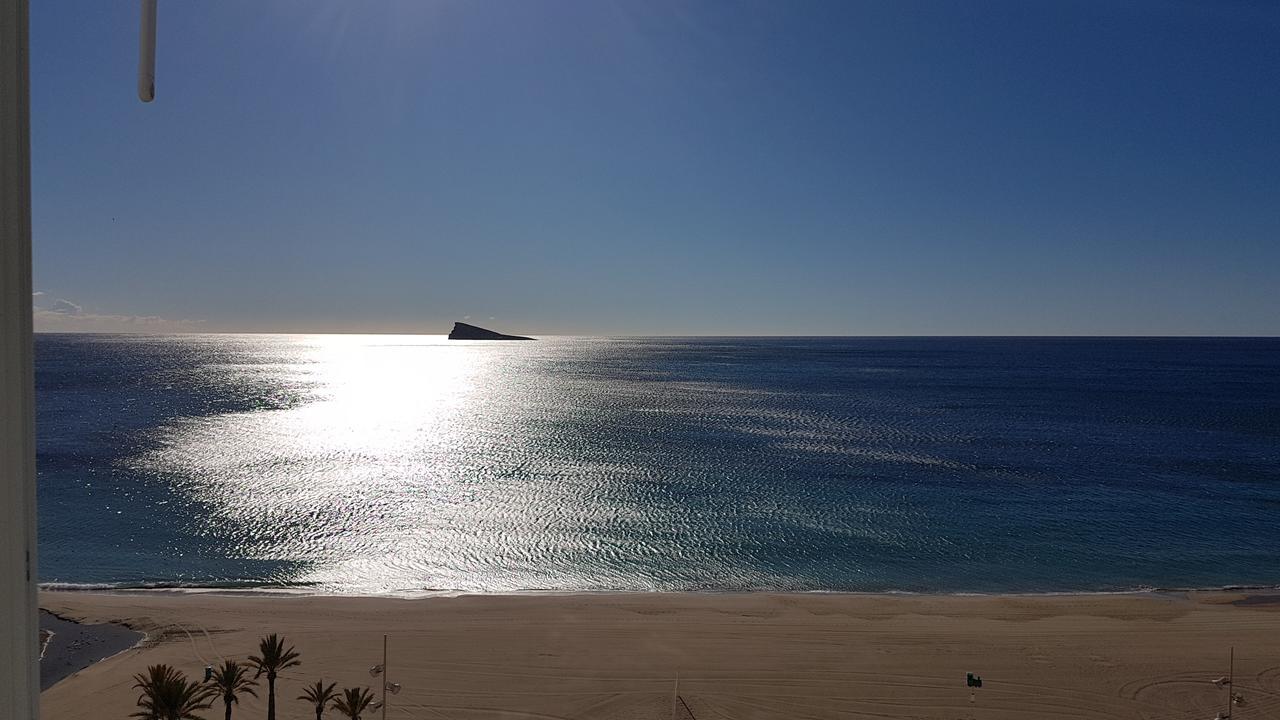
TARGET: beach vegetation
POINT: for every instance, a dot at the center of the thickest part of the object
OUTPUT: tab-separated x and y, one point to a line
320	696
273	657
230	681
166	694
353	702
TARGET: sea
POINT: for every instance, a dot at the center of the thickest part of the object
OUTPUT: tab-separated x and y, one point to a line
403	465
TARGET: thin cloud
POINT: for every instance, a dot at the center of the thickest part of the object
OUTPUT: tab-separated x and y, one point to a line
62	315
65	307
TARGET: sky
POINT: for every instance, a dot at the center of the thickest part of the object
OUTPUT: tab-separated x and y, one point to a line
660	168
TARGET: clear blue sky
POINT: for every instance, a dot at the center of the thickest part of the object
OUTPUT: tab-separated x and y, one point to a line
596	167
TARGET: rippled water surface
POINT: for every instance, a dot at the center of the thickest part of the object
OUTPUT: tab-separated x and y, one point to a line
408	463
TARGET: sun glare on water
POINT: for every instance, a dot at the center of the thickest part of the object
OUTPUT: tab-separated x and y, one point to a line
354	479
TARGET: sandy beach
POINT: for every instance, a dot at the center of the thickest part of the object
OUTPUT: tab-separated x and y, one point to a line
737	656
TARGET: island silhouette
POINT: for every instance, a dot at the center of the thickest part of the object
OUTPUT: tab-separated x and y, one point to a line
464	331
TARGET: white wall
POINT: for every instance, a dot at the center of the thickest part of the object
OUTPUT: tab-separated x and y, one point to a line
19	672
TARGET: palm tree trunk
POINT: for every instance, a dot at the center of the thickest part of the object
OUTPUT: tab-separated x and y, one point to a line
319	712
271	696
227	702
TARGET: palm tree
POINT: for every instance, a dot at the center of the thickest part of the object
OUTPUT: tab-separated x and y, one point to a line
273	658
167	694
151	687
319	695
353	701
229	681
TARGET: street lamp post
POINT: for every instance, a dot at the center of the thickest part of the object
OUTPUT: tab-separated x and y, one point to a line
387	685
1229	684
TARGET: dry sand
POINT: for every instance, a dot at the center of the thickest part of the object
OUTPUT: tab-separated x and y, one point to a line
738	656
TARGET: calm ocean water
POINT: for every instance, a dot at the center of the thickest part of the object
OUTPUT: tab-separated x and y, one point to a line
374	464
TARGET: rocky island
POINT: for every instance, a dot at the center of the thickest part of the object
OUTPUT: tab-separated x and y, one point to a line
463	331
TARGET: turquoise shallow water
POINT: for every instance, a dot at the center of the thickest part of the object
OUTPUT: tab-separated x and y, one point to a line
381	464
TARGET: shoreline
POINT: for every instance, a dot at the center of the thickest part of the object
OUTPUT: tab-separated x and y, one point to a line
752	655
301	591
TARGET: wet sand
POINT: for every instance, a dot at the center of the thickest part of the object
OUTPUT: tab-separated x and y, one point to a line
68	647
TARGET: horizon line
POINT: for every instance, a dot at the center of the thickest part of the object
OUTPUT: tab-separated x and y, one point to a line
650	335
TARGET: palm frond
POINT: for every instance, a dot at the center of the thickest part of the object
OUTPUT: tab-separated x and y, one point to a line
232	680
353	701
319	694
167	694
273	657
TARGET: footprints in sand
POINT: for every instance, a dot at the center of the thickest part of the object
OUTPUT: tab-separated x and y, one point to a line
1192	695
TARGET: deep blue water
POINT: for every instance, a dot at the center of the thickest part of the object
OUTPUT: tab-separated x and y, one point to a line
398	464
